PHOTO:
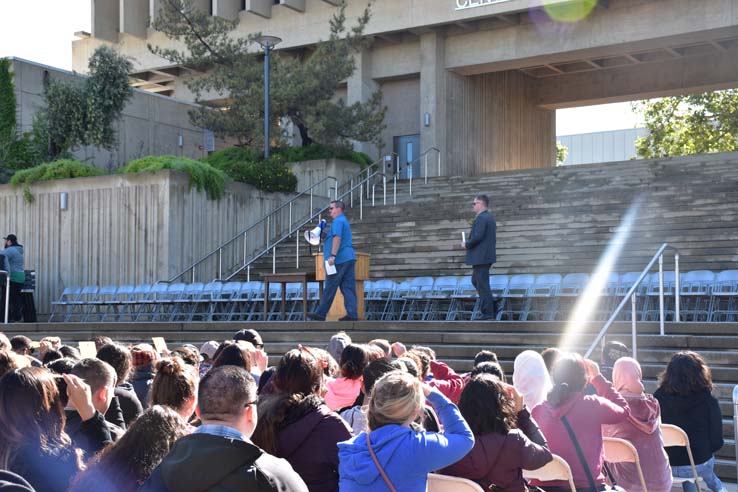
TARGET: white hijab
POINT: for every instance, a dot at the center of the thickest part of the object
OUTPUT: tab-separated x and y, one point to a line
531	378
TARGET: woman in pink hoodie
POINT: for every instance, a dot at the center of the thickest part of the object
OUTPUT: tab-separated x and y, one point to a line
641	429
343	391
584	414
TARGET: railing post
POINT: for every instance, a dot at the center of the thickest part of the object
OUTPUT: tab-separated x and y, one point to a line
633	324
661	294
7	295
289	227
297	250
245	240
193	274
267	231
735	418
426	168
439	162
394	191
220	263
361	201
677	287
351	193
384	188
248	273
373	187
274	259
411	182
311	200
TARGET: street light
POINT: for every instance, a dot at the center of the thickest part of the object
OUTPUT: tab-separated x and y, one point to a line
268	43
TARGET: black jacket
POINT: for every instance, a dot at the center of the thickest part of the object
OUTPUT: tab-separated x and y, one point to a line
481	243
130	405
204	462
141	382
91	435
700	417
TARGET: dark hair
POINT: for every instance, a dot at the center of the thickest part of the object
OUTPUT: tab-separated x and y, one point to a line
354	359
70	352
492	368
189	355
550	356
224	393
8	361
612	351
51	355
422	360
410	365
264	379
486	406
382	344
233	354
64	365
101	341
687	373
298	372
31	412
338	204
485	356
426	350
375	370
20	342
483	198
125	465
249	335
119	357
330	366
174	385
569	378
96	373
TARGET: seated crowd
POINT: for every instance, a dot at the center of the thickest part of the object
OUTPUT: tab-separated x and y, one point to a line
354	417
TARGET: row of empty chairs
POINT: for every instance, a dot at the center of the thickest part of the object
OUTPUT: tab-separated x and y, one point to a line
705	296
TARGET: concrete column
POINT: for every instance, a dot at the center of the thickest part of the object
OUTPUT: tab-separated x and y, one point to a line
105	19
433	99
134	17
227	9
360	88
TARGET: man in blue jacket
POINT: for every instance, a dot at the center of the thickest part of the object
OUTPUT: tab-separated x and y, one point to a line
480	254
14	254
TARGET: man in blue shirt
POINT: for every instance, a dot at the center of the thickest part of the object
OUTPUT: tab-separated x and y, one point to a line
339	252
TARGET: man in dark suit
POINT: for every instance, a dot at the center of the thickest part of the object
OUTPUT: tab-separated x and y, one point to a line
480	254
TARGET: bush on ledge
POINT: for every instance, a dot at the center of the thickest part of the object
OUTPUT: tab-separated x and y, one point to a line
245	166
61	169
202	175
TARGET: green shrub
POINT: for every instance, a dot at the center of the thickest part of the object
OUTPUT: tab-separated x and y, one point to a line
61	169
247	166
318	151
202	175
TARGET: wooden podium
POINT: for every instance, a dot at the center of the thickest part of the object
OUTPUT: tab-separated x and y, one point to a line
362	273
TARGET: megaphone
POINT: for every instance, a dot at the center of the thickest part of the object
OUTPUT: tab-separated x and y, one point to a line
313	236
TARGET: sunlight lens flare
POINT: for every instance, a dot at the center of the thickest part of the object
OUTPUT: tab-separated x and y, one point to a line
588	300
569	12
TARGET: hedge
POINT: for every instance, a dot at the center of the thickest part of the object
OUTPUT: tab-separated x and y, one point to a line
202	175
61	169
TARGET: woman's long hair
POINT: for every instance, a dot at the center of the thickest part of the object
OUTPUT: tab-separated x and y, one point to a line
233	354
125	465
174	385
687	373
297	381
486	406
569	378
31	412
396	398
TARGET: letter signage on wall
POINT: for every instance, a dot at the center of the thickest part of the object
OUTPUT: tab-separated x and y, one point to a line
470	4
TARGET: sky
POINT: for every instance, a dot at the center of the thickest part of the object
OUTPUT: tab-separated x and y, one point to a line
43	31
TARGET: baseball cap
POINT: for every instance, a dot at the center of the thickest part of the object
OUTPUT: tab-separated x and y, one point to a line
251	336
11	237
208	349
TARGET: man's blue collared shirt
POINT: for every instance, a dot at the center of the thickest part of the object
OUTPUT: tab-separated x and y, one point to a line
220	430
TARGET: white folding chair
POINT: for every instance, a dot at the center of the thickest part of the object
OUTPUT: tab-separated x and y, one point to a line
674	436
445	483
556	469
621	451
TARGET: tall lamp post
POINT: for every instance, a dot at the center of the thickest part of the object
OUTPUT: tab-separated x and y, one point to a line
268	43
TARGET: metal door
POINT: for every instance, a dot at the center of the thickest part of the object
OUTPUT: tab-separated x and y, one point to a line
407	149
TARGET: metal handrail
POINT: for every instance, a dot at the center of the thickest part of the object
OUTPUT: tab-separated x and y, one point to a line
735	420
423	155
7	293
288	203
360	185
631	295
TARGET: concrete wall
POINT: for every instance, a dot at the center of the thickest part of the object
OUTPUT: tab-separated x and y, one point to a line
311	173
131	228
609	146
150	124
402	98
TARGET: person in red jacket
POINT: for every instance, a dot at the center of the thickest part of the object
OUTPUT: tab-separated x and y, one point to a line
585	415
435	373
506	438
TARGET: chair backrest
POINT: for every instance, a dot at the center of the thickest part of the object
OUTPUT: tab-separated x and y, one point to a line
445	483
422	284
445	284
546	284
621	451
497	282
673	435
574	282
556	469
697	282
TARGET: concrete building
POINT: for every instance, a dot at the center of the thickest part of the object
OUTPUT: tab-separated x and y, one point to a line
480	80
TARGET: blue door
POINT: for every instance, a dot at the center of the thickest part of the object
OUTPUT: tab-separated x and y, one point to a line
408	148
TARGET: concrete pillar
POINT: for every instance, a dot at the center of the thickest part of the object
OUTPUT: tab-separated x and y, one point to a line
105	19
360	87
134	17
433	99
227	9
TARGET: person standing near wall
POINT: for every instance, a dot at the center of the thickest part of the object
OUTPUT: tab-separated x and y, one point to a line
339	252
14	254
481	254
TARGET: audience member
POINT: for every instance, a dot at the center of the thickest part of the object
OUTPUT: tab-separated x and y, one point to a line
506	439
119	357
492	368
207	351
331	369
383	345
356	415
296	425
5	342
33	441
338	342
101	341
409	365
550	356
485	356
436	373
251	336
22	345
175	386
568	415
219	454
48	343
143	356
343	390
531	377
189	355
62	366
125	465
642	429
70	352
684	394
50	355
10	361
611	352
100	377
404	455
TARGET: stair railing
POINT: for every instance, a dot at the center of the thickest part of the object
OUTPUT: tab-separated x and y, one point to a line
425	157
735	421
7	293
269	222
360	186
631	295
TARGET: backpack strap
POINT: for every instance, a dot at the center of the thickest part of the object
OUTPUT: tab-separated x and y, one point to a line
379	466
580	454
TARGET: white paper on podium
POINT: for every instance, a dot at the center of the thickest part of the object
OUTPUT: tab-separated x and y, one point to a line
330	269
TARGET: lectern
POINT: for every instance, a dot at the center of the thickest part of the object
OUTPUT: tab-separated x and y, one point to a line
362	273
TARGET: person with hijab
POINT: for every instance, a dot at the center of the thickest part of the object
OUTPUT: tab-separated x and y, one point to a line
642	429
531	378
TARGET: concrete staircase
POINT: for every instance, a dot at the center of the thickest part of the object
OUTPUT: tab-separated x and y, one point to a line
456	344
552	220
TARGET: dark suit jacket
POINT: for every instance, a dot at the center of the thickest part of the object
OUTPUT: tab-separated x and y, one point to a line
480	245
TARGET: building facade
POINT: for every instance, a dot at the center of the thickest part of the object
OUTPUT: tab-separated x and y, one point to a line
479	80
